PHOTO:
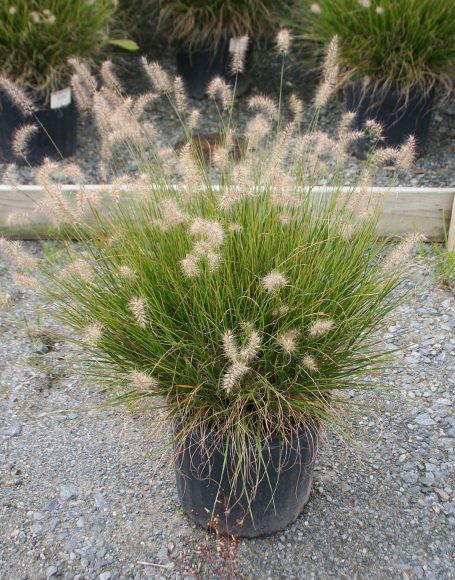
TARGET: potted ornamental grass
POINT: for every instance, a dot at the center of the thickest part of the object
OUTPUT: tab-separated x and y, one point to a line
37	39
394	55
240	302
207	32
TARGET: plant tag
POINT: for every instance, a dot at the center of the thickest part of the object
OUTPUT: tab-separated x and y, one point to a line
61	98
234	44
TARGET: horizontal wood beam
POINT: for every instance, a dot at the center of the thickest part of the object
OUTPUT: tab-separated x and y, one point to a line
430	211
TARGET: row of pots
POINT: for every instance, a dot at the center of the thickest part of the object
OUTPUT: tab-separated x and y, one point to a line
56	136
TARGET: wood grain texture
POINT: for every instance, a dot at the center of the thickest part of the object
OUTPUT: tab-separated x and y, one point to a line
430	211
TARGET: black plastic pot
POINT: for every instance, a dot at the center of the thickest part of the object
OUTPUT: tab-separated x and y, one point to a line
56	137
399	115
285	475
199	67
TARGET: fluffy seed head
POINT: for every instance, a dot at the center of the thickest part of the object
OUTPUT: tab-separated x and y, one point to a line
274	281
93	334
211	230
384	155
85	77
329	83
239	54
203	249
138	309
256	130
80	268
16	253
22	138
288	340
406	154
193	119
218	88
281	310
402	251
309	363
251	349
25	281
315	8
159	77
264	104
229	346
4	300
375	129
320	327
179	94
283	41
142	381
17	96
142	102
172	214
127	272
110	79
235	372
190	266
18	218
296	106
81	94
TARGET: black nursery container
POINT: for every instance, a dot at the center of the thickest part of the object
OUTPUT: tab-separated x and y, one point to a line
399	115
285	477
199	67
56	135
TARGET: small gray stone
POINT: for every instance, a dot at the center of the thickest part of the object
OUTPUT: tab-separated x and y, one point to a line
411	477
37	528
424	420
51	571
105	576
51	505
14	430
42	349
443	496
100	501
69	491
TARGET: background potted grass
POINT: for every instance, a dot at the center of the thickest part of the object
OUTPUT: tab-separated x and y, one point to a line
137	19
37	39
394	54
205	33
243	308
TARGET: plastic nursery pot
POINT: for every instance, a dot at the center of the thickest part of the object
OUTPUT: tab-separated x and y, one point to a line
57	127
399	115
285	475
199	67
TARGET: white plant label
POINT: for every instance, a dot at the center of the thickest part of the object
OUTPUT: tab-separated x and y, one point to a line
236	44
61	98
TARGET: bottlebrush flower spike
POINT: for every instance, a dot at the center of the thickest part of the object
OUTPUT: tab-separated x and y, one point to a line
288	340
93	334
138	310
320	327
142	381
274	281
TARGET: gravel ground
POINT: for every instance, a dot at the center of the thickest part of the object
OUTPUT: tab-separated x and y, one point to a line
86	493
436	168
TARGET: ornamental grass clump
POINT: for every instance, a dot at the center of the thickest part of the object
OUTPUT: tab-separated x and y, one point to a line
236	297
205	23
409	42
39	36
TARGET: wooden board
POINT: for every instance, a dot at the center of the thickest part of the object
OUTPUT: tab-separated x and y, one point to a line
406	209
